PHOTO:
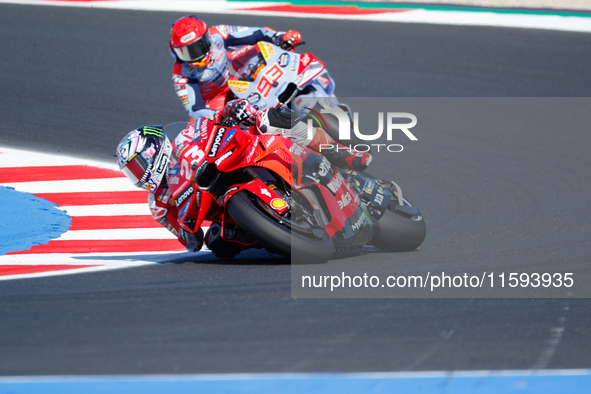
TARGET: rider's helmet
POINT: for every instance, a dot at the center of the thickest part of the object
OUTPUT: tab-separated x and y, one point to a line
190	41
143	156
277	120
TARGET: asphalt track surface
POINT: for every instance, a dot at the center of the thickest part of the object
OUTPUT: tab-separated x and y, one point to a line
75	80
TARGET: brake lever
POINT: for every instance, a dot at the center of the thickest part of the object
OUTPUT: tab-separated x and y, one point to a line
293	47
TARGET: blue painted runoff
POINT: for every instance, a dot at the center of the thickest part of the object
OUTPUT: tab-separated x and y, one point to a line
27	220
329	383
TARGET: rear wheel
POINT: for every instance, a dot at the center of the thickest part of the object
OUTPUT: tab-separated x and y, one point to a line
400	231
275	231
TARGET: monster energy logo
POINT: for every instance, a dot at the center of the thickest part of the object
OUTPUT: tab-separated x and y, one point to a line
153	130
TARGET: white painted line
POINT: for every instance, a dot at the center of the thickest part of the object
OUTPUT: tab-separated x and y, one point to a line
107	210
80	185
123	234
10	157
467	18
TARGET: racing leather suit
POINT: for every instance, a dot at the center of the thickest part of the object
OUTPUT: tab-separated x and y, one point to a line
202	91
162	205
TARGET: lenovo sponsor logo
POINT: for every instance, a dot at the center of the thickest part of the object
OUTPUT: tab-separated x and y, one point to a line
219	135
185	194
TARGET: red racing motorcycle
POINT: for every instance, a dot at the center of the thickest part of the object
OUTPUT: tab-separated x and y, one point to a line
288	198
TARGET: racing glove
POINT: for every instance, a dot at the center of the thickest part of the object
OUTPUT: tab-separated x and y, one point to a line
239	111
287	40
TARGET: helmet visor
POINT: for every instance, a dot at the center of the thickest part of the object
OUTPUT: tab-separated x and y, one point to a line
139	168
195	51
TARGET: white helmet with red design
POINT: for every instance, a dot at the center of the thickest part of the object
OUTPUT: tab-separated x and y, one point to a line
190	41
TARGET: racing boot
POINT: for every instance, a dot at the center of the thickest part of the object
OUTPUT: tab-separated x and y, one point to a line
338	154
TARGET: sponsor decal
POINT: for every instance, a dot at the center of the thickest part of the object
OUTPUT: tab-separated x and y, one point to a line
252	151
335	183
345	200
223	157
227	138
324	167
207	74
235	83
216	142
379	199
368	187
240	52
158	212
228	192
163	159
359	223
203	124
325	81
305	59
188	37
254	97
278	203
266	49
238	86
169	227
283	60
270	141
173	167
266	192
200	170
164	195
179	79
184	195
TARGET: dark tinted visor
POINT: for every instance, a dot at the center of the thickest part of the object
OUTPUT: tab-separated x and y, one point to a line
194	51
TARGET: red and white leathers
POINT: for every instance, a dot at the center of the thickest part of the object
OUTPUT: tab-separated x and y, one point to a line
202	91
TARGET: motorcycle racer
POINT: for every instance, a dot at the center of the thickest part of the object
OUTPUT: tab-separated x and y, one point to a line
150	161
200	72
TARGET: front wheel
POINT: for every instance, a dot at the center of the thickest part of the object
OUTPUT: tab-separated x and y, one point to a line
274	233
400	232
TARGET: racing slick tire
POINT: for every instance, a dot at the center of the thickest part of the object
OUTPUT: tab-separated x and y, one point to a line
274	236
400	232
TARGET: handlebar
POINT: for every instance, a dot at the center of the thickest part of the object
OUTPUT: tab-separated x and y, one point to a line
293	47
